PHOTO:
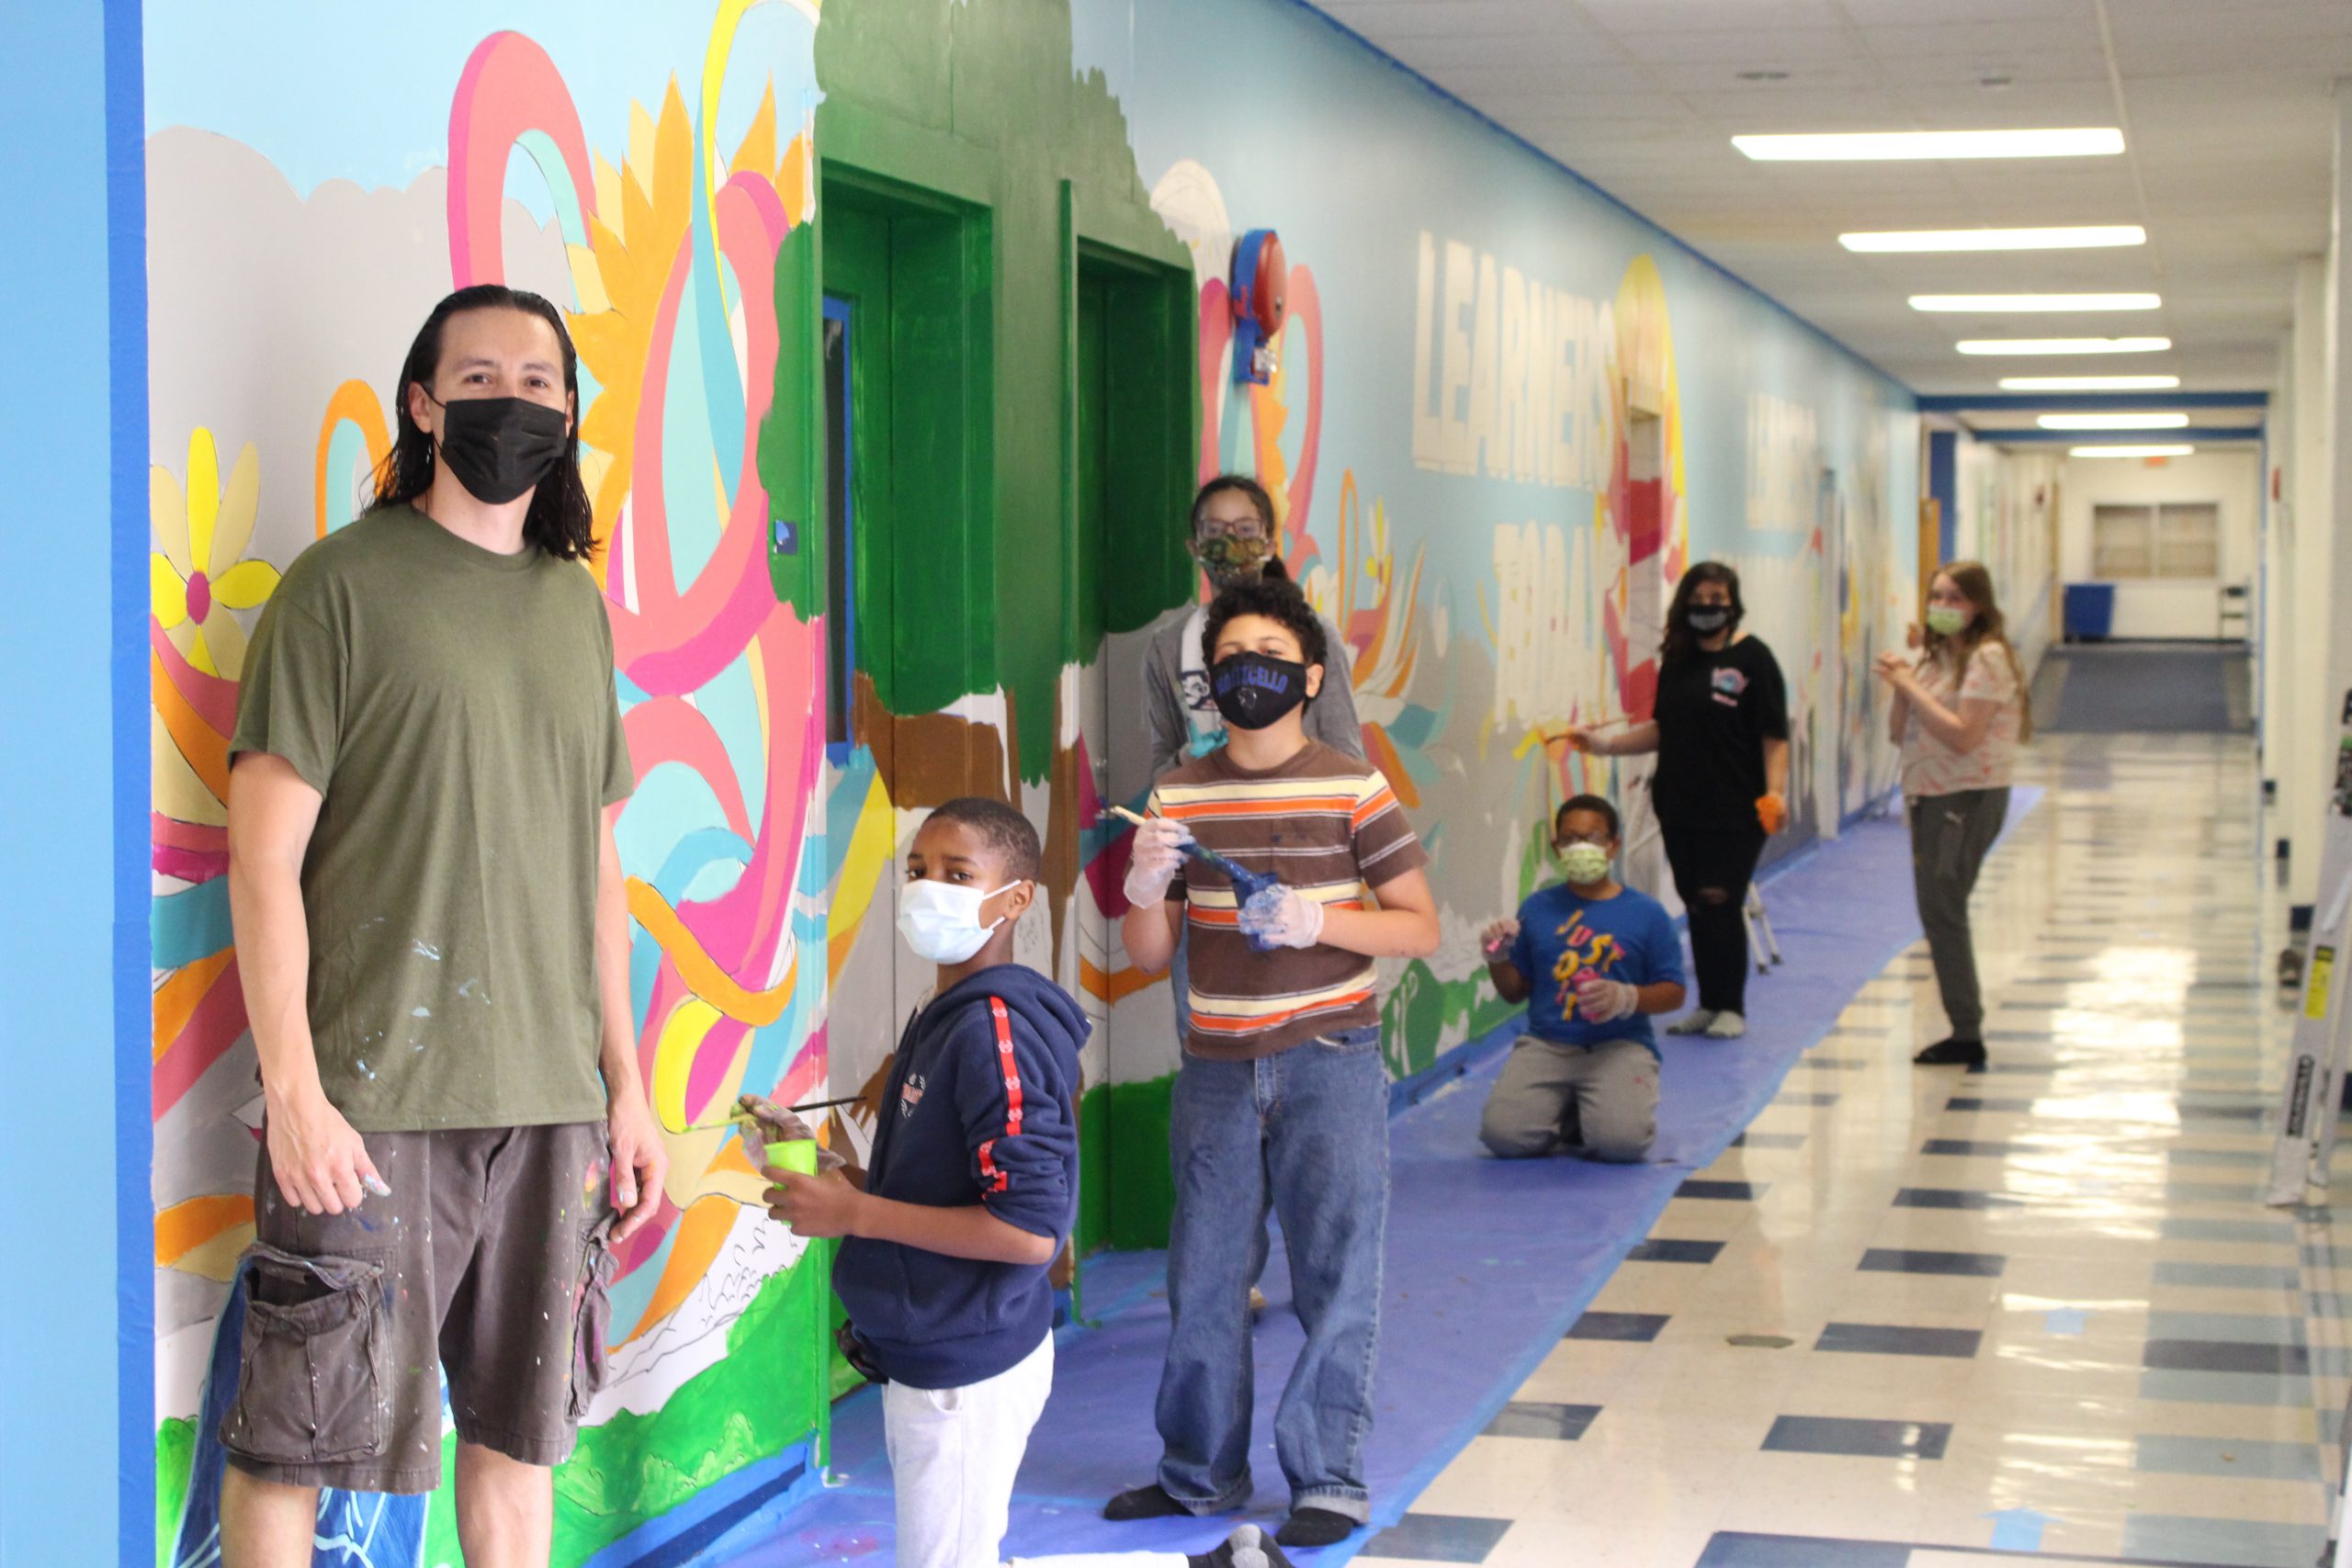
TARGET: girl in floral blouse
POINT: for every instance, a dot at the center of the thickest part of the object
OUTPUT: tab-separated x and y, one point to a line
1961	710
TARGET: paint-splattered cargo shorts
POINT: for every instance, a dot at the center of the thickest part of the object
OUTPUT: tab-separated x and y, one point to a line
489	1258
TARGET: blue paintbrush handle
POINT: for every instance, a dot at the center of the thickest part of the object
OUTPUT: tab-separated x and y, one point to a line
1207	856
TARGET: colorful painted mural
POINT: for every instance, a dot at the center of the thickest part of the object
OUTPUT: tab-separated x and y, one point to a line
663	229
1507	416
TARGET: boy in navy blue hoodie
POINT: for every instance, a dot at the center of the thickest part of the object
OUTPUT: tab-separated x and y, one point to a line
970	1191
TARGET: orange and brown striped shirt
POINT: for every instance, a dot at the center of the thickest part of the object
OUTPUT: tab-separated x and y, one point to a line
1330	828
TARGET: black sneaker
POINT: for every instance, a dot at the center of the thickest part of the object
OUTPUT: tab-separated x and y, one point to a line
1315	1526
1952	1053
1143	1503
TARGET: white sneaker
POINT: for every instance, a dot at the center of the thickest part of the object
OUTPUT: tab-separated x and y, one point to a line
1696	1021
1727	1026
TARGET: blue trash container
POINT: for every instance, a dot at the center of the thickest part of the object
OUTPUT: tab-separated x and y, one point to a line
2090	611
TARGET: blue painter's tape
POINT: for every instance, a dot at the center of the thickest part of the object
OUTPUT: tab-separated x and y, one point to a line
682	1535
2018	1530
134	1135
1407	1092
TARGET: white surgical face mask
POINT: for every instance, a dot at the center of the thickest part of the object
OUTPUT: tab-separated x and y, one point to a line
942	921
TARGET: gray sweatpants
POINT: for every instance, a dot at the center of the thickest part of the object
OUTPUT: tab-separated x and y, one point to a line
1602	1099
1951	835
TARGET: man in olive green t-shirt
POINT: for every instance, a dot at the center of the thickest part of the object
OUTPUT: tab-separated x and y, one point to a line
433	939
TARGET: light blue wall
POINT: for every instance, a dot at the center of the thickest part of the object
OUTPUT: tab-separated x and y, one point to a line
63	975
1307	129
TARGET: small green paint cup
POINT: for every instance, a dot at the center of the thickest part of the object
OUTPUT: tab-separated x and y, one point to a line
798	1154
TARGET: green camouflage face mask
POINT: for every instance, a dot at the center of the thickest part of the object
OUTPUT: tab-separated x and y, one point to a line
1227	558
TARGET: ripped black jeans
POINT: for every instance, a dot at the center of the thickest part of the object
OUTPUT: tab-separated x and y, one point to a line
1712	870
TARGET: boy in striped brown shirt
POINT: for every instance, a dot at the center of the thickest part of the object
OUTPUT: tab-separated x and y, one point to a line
1281	1101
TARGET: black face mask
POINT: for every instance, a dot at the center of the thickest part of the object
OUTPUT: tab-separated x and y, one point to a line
500	447
1254	690
1706	620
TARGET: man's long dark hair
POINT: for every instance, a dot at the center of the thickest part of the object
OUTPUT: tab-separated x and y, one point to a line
562	521
1680	641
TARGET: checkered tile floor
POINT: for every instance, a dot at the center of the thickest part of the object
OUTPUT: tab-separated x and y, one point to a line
1918	1317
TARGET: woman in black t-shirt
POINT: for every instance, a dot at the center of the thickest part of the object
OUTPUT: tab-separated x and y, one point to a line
1721	738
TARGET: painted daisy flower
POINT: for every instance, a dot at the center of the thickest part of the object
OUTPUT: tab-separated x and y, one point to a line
197	578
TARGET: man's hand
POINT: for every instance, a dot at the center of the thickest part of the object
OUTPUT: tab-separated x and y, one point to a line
640	1162
320	1163
1153	860
822	1205
1496	941
1771	813
1287	919
1600	1000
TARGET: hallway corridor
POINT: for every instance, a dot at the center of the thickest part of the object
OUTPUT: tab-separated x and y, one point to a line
1917	1316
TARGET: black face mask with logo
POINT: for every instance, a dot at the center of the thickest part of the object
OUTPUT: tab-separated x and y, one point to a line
1706	619
1254	690
500	447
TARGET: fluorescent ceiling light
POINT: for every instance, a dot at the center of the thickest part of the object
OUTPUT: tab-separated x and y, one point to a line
2089	383
1996	302
2064	345
2079	238
1879	145
2113	421
2130	451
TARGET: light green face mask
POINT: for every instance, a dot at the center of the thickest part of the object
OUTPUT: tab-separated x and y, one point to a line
1945	621
1584	864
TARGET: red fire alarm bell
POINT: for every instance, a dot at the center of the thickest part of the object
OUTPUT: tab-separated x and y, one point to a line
1259	284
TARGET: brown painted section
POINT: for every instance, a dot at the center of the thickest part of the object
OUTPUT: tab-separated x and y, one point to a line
927	760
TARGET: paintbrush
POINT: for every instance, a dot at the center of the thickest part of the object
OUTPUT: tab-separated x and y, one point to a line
1248	885
1561	739
744	1117
1202	853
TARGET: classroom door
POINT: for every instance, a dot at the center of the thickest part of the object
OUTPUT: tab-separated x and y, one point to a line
1130	474
905	286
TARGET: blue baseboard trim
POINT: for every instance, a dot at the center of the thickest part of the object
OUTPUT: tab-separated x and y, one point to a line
769	1487
1407	1092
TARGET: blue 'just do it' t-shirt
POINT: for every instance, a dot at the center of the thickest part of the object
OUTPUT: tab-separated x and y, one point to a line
1629	938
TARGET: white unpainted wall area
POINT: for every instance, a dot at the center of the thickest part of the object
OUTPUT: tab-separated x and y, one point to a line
2230	479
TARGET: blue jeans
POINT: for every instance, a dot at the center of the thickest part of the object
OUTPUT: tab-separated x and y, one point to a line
1303	1133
